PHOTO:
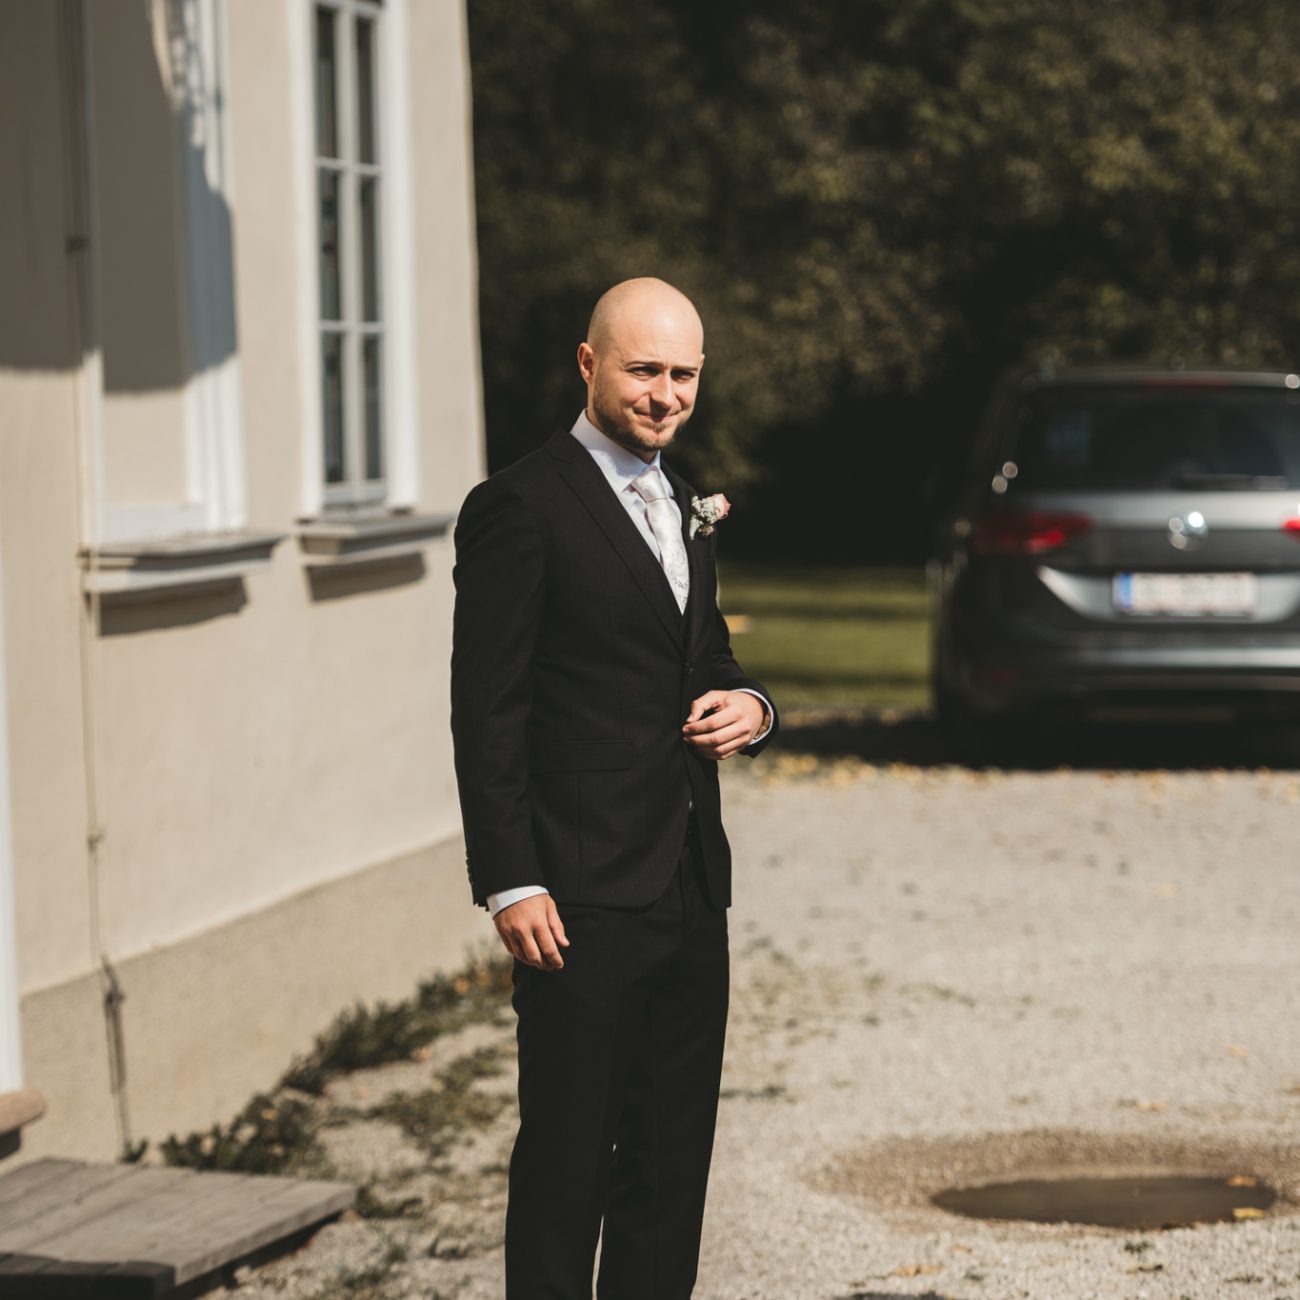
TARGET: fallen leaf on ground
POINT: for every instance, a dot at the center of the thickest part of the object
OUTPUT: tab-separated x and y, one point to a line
913	1270
1246	1212
1147	1268
1243	1180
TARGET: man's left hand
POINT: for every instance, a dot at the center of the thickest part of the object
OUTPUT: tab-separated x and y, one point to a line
734	719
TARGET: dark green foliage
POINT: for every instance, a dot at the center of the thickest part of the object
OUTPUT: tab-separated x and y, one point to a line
370	1205
271	1135
436	1116
278	1134
878	206
360	1037
133	1152
369	1036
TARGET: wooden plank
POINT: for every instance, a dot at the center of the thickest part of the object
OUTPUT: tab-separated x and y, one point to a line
246	1229
202	1225
136	1279
135	1185
14	1263
26	1179
139	1225
238	1227
61	1282
137	1229
72	1184
37	1277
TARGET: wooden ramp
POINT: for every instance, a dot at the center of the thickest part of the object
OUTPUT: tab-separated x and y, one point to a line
122	1232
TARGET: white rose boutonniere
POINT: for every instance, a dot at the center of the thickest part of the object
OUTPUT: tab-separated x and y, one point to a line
707	513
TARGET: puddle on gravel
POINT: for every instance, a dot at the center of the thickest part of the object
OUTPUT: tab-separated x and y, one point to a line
1134	1202
1119	1180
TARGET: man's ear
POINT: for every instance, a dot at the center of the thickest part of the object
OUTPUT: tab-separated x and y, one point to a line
586	361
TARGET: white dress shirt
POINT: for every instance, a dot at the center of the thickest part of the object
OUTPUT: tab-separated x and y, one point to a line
620	467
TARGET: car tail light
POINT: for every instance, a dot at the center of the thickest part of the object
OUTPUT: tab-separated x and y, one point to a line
1292	526
1031	532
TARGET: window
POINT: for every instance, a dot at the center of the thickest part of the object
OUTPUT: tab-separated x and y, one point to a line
166	413
349	199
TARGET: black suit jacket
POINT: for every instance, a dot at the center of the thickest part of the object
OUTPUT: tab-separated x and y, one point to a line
572	674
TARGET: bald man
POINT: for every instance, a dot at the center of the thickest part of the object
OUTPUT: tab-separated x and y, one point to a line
594	693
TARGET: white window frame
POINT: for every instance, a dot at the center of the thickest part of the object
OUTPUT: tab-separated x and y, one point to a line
399	438
215	494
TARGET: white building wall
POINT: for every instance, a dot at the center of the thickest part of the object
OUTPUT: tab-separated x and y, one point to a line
267	765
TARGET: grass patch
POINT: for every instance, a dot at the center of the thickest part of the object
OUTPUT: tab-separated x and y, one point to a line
852	638
271	1135
436	1116
371	1205
277	1134
363	1036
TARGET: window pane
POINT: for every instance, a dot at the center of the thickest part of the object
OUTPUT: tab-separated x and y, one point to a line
370	250
366	89
327	134
374	408
332	405
330	295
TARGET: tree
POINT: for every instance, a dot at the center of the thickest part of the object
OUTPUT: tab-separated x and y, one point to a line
878	206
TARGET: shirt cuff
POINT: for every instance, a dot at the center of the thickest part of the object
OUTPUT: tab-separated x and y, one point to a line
499	902
767	704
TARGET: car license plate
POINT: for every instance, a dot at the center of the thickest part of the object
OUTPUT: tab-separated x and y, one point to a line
1219	595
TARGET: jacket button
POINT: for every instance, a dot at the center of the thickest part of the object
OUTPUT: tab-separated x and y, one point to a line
690	667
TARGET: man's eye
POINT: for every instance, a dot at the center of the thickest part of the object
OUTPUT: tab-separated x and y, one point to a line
683	376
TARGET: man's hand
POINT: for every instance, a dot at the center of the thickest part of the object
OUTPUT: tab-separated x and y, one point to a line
733	719
531	929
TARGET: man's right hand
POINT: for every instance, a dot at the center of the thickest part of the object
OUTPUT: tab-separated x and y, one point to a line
531	929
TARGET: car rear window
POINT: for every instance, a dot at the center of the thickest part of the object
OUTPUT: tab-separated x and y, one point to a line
1153	439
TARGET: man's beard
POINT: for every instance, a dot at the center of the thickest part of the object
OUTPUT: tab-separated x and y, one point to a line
626	434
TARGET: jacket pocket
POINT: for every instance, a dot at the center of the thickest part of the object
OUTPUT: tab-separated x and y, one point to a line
582	756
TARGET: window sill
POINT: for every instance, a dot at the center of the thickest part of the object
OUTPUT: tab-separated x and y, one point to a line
174	566
334	541
18	1109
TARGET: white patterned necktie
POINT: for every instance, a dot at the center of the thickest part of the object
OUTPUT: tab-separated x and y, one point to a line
652	488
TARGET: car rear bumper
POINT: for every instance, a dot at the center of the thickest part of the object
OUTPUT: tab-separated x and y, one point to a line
1010	675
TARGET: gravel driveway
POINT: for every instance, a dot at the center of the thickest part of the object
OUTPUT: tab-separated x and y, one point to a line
940	976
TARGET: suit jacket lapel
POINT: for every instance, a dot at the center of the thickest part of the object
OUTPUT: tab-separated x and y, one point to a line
581	473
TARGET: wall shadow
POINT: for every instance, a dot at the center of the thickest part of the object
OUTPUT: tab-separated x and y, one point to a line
139	141
164	313
365	575
122	616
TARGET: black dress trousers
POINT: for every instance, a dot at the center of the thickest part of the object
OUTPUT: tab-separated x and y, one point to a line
620	1058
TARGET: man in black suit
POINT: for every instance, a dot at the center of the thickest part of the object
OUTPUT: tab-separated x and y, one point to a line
593	693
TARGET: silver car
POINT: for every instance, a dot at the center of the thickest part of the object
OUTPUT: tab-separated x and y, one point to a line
1124	539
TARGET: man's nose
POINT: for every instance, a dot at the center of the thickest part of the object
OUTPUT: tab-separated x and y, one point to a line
662	390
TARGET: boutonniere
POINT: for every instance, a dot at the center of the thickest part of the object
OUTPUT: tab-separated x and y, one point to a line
707	513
